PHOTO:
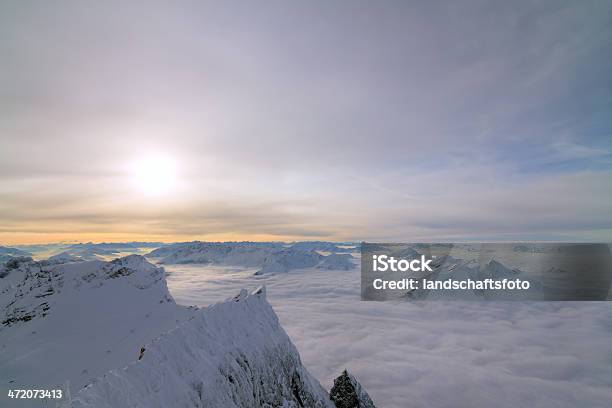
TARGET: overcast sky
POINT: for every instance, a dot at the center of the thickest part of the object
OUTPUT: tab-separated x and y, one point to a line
305	120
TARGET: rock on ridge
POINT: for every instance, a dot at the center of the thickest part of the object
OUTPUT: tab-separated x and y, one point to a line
347	392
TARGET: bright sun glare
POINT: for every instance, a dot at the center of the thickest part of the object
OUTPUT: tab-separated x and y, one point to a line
154	175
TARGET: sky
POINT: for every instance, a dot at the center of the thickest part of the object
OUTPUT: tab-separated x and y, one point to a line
342	120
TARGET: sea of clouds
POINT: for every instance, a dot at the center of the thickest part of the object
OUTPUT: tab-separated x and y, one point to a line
430	354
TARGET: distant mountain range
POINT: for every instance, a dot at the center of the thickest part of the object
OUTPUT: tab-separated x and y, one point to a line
267	257
7	253
107	250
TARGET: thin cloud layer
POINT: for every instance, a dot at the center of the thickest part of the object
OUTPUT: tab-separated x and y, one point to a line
344	120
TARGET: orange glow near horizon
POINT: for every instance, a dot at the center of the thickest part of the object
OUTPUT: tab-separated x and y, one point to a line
8	239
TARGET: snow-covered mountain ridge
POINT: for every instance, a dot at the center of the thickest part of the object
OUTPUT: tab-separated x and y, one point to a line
63	325
29	286
110	335
231	354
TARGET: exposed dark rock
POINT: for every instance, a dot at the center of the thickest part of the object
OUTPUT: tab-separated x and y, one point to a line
347	392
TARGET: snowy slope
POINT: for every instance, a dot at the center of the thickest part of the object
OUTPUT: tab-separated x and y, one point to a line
232	354
72	322
64	257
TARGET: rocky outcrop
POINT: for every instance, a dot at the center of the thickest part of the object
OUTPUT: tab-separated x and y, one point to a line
348	393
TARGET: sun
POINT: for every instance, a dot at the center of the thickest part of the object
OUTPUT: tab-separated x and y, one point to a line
154	175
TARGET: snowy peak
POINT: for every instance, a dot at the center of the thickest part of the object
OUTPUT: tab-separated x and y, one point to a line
337	262
347	392
85	318
135	270
142	273
34	286
231	354
288	259
497	271
63	257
